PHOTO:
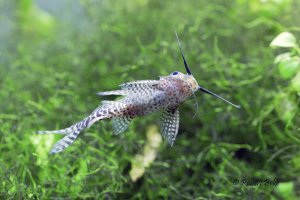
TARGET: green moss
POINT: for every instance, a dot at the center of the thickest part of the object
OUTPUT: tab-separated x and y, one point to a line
51	68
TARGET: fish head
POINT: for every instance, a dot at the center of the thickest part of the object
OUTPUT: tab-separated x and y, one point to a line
189	78
186	78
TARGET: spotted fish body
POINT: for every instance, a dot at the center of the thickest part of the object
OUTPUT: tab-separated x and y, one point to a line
140	98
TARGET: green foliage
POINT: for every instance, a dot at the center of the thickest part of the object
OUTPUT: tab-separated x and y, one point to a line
52	62
286	190
287	102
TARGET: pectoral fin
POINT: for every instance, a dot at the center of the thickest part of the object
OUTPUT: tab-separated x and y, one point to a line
169	124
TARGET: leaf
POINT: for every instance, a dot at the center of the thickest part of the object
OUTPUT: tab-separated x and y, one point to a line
296	161
284	39
282	57
295	83
286	190
286	107
288	68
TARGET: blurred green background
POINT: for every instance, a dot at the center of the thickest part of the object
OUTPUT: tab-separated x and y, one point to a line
55	55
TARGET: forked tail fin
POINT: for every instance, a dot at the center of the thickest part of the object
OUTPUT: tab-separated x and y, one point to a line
65	142
73	131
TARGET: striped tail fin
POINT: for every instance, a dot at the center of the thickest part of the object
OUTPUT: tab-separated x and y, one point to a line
65	142
72	136
62	131
73	131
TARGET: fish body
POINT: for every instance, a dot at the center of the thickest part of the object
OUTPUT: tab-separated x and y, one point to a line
140	98
144	97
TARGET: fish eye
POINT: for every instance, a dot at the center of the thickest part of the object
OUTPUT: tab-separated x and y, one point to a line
175	73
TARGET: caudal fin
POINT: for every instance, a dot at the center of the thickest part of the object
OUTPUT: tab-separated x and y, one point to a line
65	142
62	131
73	131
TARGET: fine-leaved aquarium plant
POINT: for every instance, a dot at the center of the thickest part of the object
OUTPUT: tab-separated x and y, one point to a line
55	56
